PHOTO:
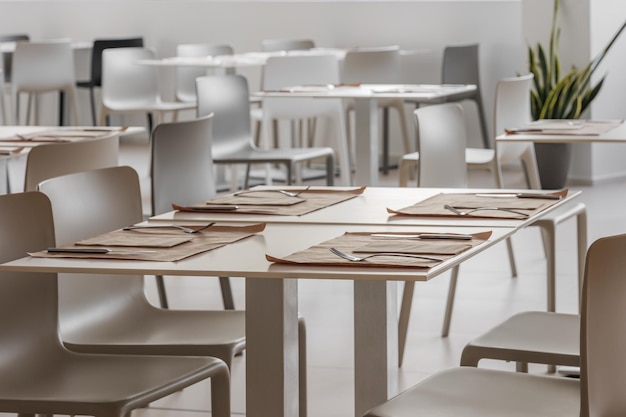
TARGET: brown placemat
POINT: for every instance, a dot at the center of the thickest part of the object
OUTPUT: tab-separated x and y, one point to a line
352	243
567	127
208	239
434	206
59	135
311	200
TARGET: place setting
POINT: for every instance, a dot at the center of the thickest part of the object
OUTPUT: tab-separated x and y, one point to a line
385	249
292	201
519	206
148	242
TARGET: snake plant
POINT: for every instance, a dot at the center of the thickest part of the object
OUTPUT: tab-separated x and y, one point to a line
566	97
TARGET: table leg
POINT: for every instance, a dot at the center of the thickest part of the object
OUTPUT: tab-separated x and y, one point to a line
366	141
272	348
375	343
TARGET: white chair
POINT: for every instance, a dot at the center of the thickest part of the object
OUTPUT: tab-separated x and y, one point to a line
129	87
227	97
38	375
131	325
286	44
283	71
42	67
56	159
468	391
376	66
186	76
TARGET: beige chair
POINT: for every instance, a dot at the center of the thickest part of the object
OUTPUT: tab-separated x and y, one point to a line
131	324
174	146
55	159
376	66
38	375
468	391
129	87
42	67
227	97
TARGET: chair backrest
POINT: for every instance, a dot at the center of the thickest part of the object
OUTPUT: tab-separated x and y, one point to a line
441	142
512	109
86	204
276	45
28	299
11	37
42	66
186	76
182	164
99	45
124	81
603	332
372	65
55	159
227	97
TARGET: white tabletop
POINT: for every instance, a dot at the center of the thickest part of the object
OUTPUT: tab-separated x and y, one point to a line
616	135
9	131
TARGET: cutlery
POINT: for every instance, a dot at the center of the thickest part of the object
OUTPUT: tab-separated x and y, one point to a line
287	193
522	195
173	226
449	236
362	258
465	213
97	250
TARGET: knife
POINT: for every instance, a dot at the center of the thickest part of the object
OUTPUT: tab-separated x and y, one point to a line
449	236
523	195
96	250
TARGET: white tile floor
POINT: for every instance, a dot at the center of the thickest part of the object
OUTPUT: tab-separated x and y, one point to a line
486	294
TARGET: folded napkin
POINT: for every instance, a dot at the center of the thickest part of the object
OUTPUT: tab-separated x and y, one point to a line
355	243
212	238
307	201
140	240
434	206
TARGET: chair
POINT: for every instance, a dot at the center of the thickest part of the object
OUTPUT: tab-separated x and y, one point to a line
277	45
95	79
131	87
186	76
227	97
377	66
467	391
56	159
41	67
441	142
40	375
283	71
131	324
174	146
8	58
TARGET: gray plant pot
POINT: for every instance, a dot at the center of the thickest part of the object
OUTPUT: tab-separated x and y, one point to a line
553	161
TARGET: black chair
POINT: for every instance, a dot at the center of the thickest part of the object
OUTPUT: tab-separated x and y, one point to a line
100	45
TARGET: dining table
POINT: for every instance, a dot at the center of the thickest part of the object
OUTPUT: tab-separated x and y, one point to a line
366	98
566	131
266	261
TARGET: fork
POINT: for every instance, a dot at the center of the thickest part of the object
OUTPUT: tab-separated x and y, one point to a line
172	226
287	193
362	258
465	213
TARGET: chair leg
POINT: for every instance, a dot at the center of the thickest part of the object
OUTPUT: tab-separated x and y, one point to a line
548	236
450	303
160	283
227	293
220	393
509	247
302	370
92	98
385	140
403	319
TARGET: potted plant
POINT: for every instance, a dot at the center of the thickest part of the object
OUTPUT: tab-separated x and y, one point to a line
557	96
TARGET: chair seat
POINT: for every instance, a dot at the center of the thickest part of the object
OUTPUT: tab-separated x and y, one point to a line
479	156
475	392
130	106
284	155
113	385
530	337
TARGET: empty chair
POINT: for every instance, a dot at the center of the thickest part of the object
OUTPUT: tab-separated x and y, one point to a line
277	45
227	98
39	375
8	59
467	391
186	76
95	78
56	159
377	66
129	87
183	144
42	67
284	71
